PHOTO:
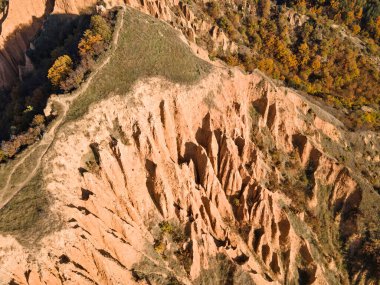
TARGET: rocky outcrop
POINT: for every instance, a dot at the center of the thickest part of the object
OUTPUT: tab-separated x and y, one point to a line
168	177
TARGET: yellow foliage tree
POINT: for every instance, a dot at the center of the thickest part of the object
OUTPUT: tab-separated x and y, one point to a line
285	55
303	52
316	64
60	70
2	156
266	65
88	43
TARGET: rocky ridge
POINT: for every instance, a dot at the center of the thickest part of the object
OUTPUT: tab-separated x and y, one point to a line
148	160
167	180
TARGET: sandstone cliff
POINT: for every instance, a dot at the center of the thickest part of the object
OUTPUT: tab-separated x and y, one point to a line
150	157
229	180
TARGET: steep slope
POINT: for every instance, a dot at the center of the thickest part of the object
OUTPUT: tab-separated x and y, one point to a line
22	20
190	177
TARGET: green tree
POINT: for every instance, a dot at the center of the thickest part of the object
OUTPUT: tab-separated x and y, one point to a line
100	26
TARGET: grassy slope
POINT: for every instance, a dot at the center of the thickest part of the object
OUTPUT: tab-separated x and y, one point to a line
147	47
27	216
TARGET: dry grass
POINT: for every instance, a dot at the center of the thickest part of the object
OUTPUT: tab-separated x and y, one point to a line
27	216
147	48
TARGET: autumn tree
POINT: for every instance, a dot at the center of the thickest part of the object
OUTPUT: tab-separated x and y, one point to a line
90	43
264	6
285	55
266	65
38	120
303	53
2	156
60	70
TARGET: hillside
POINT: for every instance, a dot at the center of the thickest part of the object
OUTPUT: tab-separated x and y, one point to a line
172	164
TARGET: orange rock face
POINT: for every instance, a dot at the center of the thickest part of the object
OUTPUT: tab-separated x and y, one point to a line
163	181
185	156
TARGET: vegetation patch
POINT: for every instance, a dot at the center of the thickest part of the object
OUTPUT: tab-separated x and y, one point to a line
3	5
222	270
27	216
64	54
329	49
172	255
147	47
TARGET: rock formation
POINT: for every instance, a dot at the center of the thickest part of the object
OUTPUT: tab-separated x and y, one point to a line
150	158
232	177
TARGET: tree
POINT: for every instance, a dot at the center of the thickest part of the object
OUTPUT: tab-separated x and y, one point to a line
266	65
38	120
2	156
100	26
285	55
60	70
90	44
264	8
316	64
303	53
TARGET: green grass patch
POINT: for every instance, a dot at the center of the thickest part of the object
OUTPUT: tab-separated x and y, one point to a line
27	216
147	47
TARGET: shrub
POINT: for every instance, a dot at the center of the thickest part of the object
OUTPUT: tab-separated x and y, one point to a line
73	80
166	227
160	247
3	157
60	70
232	59
38	120
100	26
3	5
214	9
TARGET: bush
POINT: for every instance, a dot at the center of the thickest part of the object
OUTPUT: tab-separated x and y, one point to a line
100	26
166	227
3	5
61	68
73	80
38	120
3	157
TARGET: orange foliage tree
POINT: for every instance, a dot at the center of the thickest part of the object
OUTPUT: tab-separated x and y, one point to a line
60	70
89	44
